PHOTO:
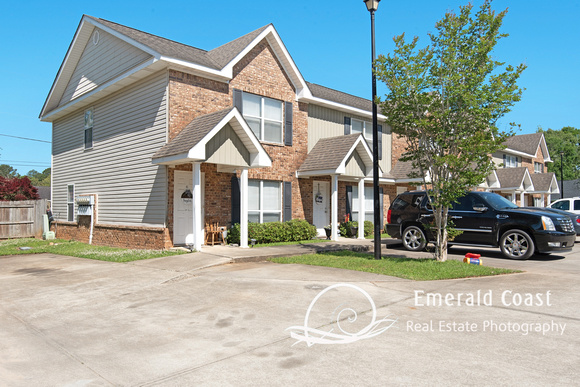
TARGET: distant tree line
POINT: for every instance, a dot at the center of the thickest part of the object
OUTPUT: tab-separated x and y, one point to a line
38	179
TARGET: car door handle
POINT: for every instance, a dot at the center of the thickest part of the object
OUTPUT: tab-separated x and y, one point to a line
457	217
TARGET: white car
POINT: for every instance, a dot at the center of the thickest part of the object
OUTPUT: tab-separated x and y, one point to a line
567	204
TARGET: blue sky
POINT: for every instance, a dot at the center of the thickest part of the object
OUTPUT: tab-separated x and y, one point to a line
329	41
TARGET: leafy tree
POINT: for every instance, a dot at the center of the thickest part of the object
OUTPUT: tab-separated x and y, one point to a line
38	178
7	171
445	100
17	188
566	140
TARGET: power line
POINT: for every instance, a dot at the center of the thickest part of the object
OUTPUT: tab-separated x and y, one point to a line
20	162
25	138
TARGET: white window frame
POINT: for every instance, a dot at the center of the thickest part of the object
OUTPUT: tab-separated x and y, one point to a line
538	167
263	119
511	161
366	127
70	203
261	211
89	123
369	203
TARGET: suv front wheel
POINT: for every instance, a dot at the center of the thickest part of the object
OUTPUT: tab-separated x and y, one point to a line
414	239
516	244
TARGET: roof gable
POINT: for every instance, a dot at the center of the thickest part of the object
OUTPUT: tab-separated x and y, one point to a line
347	155
191	144
528	145
515	179
216	64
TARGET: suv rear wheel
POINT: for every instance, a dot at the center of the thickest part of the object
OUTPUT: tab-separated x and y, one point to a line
516	244
414	239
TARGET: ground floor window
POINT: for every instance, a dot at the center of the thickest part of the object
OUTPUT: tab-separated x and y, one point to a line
265	201
369	207
70	203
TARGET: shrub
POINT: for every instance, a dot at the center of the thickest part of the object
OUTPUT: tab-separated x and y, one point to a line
345	228
293	230
17	189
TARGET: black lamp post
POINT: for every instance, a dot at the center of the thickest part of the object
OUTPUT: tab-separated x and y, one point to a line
372	6
561	174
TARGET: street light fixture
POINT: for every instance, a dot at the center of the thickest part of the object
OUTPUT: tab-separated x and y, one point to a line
372	6
562	174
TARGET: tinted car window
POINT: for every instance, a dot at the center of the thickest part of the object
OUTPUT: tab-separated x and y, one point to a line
465	203
404	201
563	205
496	201
576	205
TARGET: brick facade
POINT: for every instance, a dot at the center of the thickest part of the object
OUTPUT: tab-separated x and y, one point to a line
190	96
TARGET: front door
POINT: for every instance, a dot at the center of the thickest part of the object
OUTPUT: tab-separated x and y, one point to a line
321	205
183	207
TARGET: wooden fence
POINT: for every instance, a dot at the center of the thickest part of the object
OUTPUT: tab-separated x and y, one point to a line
21	219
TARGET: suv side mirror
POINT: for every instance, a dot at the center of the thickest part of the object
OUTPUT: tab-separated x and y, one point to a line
479	208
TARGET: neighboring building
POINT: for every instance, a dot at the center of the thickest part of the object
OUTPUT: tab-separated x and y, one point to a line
43	192
571	189
167	137
522	172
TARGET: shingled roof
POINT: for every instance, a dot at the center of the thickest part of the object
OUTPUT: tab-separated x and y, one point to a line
339	97
328	153
401	171
215	59
191	134
526	143
512	177
543	182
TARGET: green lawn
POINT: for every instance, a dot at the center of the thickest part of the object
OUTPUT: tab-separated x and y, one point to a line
78	249
408	268
289	243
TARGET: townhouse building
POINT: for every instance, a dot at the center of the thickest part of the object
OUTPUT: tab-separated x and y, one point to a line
153	139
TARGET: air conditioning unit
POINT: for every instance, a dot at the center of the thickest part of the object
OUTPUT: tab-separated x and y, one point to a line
85	204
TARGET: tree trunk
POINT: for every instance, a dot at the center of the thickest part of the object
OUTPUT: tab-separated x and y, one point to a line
442	235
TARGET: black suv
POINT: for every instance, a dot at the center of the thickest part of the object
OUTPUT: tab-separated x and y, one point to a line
486	219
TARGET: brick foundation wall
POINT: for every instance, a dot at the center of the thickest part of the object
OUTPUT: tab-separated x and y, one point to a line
133	237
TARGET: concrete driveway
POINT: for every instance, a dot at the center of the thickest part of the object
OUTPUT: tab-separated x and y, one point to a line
77	322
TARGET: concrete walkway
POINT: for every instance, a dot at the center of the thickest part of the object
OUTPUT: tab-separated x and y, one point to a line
219	255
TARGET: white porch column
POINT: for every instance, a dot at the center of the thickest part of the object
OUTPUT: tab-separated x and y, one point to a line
197	221
334	207
542	203
244	208
514	200
361	209
549	199
522	203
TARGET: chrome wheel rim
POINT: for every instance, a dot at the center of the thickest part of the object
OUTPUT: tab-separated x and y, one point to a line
413	239
516	245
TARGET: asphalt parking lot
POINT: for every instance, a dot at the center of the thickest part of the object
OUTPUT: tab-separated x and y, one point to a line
77	322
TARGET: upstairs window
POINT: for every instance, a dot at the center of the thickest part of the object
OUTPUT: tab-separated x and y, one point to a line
510	161
356	126
88	129
364	127
264	116
538	167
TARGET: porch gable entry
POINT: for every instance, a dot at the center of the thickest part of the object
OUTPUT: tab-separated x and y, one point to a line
222	138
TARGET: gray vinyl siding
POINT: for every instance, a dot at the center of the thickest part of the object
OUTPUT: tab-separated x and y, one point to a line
324	122
129	127
100	63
